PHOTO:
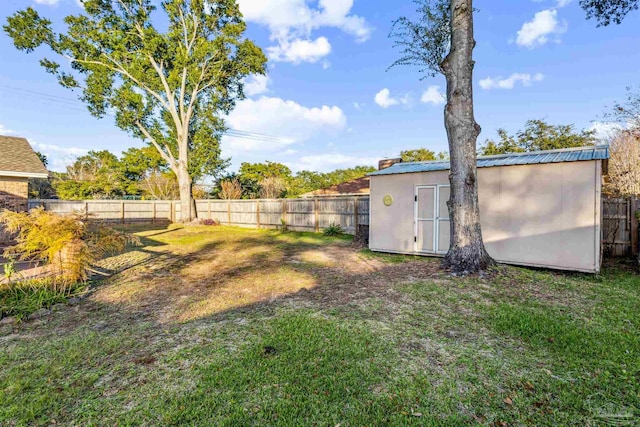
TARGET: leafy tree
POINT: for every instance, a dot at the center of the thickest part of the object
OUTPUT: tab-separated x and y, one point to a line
273	187
168	85
441	41
251	174
97	174
607	11
73	190
139	164
538	135
43	158
40	188
339	176
422	155
307	181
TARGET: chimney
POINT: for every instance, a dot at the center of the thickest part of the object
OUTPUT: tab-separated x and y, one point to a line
387	163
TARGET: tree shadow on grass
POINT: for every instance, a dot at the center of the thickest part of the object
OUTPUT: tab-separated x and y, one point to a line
273	329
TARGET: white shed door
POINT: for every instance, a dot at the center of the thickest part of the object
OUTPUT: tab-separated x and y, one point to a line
431	219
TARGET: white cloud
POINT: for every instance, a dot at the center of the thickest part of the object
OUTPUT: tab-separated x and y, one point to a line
59	157
6	131
385	100
433	96
291	23
47	2
540	29
298	50
256	85
563	3
328	162
289	121
605	130
510	82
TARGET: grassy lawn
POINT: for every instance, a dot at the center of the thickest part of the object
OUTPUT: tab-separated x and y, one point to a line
230	327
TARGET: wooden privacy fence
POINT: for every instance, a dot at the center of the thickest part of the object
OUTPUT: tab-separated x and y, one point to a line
619	222
298	214
620	226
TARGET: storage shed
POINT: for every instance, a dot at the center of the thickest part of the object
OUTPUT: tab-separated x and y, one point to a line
537	209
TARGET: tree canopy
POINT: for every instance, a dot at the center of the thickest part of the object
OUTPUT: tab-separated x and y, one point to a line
608	11
538	135
422	155
168	84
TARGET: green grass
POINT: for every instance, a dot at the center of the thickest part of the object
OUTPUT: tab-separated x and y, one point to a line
224	326
20	299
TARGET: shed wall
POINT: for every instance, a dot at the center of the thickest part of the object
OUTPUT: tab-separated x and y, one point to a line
544	215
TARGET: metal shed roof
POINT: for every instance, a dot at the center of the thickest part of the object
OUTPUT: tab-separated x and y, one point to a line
600	152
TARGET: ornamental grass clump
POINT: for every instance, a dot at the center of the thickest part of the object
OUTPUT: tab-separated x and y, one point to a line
69	245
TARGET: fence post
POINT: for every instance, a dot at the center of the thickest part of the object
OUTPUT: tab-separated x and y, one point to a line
86	211
316	226
153	218
258	213
229	211
172	213
284	211
356	216
122	212
209	208
634	226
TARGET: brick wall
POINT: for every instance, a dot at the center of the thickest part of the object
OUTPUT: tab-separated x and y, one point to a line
11	187
14	193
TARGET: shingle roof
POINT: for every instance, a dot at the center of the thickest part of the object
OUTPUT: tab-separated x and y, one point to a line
551	156
17	158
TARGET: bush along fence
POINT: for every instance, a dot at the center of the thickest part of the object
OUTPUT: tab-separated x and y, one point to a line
315	215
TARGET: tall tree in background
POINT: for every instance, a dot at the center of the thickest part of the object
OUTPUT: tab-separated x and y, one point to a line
169	88
441	41
538	135
251	175
422	155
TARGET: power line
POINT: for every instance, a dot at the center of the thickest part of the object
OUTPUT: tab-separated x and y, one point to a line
74	104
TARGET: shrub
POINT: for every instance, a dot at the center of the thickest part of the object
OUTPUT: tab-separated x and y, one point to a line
211	222
333	230
20	299
284	228
68	244
230	189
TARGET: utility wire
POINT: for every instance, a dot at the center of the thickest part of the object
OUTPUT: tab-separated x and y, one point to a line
74	104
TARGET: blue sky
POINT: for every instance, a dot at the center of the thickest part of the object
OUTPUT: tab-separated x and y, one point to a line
329	98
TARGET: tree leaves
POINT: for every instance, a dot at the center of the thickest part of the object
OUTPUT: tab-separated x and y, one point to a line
168	86
538	135
607	11
424	43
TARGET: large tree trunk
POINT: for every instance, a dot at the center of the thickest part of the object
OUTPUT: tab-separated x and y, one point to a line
187	213
467	253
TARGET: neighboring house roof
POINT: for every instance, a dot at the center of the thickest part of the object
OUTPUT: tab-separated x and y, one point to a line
355	186
19	160
537	157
